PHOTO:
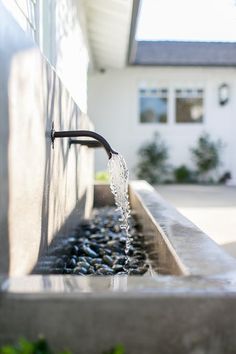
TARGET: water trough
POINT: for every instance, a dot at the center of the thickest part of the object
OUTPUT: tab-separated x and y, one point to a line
187	306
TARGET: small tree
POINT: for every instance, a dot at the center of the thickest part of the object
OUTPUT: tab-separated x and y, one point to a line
152	165
206	155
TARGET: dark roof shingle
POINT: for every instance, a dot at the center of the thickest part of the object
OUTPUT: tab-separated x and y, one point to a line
173	53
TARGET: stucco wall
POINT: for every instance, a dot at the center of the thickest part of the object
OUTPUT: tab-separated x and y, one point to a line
114	107
59	28
43	191
64	42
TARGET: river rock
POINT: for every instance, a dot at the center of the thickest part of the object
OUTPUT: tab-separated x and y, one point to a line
118	268
87	250
80	270
60	263
96	261
108	252
123	240
116	228
105	271
108	260
75	250
97	248
84	265
71	263
121	260
67	271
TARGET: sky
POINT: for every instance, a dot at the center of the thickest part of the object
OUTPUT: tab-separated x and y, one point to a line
191	20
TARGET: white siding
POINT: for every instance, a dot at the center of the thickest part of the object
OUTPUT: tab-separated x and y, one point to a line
114	107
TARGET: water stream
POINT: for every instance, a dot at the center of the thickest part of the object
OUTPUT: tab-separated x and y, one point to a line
119	180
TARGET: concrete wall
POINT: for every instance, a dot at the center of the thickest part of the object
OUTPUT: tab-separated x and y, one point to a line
63	41
114	107
147	322
59	28
26	13
40	186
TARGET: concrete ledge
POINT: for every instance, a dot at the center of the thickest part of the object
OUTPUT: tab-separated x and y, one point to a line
43	286
191	250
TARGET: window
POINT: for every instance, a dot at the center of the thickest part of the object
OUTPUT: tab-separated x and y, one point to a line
189	106
153	105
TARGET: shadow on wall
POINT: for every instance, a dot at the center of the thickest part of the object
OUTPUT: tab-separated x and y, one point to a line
39	186
54	101
7	53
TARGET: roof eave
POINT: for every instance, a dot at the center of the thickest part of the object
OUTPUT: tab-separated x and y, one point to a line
133	26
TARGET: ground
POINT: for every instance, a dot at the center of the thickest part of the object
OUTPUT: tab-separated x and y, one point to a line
211	208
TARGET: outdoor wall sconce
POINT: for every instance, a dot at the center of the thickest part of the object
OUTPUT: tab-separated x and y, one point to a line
223	94
83	133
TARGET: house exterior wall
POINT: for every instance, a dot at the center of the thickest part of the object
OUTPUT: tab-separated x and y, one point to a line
43	191
63	40
26	13
59	28
113	99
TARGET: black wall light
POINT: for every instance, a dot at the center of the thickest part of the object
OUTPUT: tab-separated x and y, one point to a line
223	93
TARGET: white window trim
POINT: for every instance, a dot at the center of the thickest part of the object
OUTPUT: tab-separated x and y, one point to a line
149	86
190	87
171	106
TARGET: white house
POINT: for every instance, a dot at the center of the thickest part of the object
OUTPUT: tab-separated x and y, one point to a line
179	89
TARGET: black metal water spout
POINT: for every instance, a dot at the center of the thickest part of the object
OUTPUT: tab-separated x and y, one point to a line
83	133
89	143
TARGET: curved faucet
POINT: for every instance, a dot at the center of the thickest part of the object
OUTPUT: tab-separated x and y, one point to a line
83	133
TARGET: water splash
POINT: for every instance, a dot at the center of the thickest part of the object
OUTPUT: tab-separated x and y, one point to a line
119	180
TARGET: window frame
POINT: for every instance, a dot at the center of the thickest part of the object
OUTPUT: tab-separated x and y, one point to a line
192	88
162	91
171	102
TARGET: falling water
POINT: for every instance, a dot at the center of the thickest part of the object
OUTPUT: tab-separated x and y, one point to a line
119	178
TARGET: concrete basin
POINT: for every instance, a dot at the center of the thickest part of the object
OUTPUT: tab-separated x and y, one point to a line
188	307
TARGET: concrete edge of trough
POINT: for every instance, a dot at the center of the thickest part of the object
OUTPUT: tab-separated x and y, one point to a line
69	286
197	252
117	286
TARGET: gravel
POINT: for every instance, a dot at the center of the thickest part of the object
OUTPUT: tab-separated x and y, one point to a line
97	247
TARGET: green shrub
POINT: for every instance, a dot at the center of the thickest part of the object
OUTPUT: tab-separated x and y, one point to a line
183	174
119	349
41	346
206	156
152	165
24	346
226	176
102	176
